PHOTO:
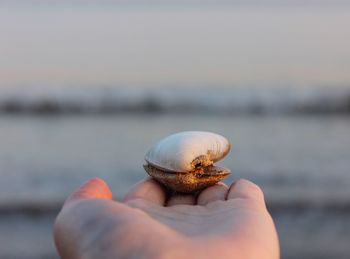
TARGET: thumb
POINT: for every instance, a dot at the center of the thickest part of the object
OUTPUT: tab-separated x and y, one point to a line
69	226
94	188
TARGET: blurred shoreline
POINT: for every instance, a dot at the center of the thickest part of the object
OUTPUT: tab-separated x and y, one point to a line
193	101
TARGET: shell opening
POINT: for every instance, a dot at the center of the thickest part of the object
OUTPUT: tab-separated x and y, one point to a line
202	161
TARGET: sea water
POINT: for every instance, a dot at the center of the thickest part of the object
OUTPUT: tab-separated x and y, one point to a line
301	162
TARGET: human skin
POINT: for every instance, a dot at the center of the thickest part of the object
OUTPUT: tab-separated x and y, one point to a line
221	222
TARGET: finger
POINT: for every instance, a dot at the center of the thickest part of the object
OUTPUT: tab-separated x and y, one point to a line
246	190
181	199
147	189
213	193
94	188
70	225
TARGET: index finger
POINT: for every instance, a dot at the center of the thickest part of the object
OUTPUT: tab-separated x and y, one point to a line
147	189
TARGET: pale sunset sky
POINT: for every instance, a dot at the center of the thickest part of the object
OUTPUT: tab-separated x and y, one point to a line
157	45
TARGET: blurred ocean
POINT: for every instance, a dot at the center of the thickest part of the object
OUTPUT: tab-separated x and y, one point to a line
86	89
301	162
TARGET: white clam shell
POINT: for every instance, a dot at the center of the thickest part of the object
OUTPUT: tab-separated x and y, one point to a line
177	152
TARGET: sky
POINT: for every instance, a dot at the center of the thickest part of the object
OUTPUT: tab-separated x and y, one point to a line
154	46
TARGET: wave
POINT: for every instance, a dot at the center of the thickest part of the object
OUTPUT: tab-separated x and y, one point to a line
226	102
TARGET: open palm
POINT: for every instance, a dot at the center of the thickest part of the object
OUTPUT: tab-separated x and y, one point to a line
221	222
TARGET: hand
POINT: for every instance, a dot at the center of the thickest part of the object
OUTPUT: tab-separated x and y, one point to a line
221	223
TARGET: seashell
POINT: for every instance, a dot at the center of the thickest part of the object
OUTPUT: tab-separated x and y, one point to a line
184	162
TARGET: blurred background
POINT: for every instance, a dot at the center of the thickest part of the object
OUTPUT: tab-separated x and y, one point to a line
86	87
